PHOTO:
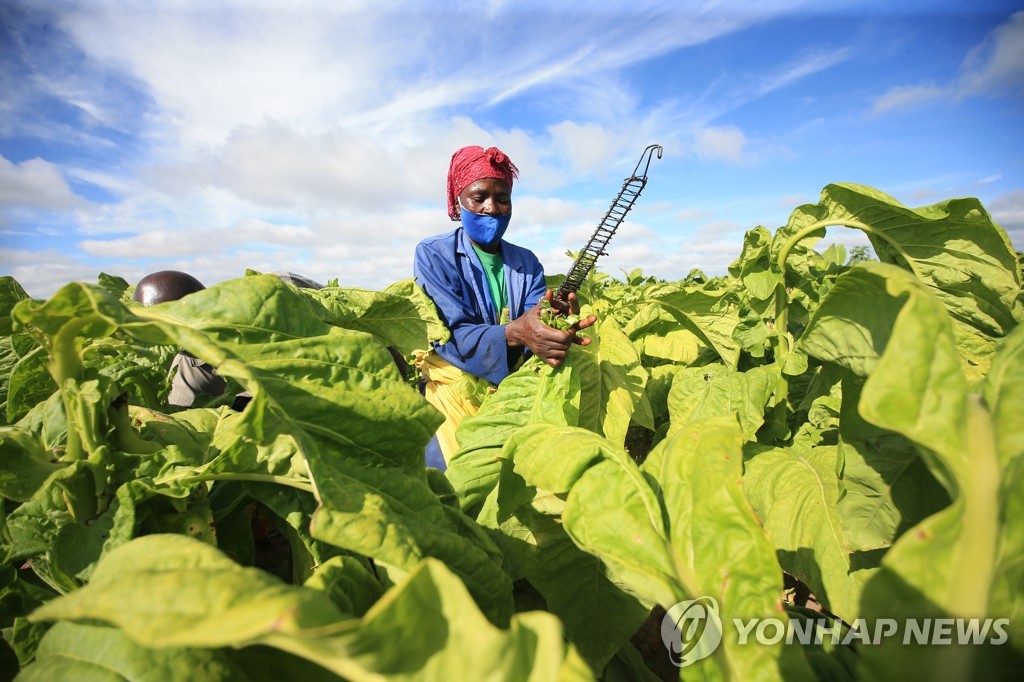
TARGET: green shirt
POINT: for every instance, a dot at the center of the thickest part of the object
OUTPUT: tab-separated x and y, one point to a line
494	272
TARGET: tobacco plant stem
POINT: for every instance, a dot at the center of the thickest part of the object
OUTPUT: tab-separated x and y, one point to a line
782	347
256	478
65	364
971	579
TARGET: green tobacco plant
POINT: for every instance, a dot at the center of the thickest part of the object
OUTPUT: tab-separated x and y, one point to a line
943	567
679	527
199	600
401	315
814	443
599	617
952	247
535	394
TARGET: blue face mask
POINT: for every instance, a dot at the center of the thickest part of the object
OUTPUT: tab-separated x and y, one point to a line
485	230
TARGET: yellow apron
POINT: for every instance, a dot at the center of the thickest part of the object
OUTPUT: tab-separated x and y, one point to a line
449	389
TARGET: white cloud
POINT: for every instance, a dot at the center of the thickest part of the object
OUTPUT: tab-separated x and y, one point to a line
994	66
159	243
844	236
720	228
331	115
575	235
117	184
997	63
908	95
242	67
275	166
329	237
333	178
545	73
41	273
548	212
189	243
693	214
35	183
736	90
1008	211
696	118
143	209
41	66
315	137
804	65
587	147
722	143
676	258
634	245
790	201
317	65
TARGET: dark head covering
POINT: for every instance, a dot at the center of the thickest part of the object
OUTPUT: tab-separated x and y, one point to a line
166	285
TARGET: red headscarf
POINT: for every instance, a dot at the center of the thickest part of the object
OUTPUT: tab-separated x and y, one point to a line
470	164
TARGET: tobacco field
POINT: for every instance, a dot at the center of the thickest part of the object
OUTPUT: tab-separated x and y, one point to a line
801	438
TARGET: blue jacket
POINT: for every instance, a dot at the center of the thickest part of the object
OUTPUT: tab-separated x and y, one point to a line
449	271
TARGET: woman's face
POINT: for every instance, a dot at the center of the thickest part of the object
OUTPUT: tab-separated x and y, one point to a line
487	196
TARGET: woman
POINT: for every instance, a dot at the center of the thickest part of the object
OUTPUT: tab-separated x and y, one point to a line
487	290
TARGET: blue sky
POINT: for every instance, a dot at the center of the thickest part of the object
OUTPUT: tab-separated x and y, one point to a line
212	137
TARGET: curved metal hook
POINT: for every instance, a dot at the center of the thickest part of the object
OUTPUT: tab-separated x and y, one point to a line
649	153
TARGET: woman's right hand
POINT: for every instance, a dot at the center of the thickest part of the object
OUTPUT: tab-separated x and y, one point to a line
549	344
